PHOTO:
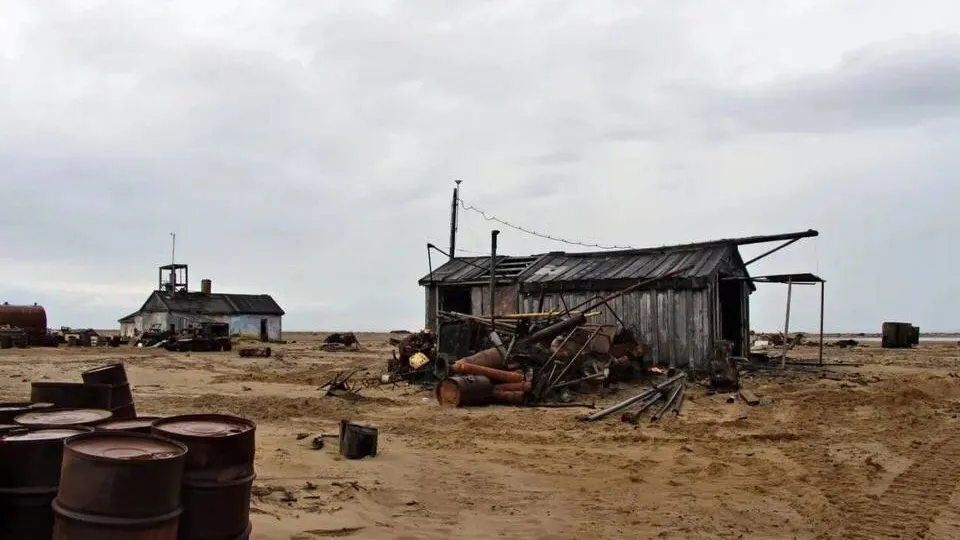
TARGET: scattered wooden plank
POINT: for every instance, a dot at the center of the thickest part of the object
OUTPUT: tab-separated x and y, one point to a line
748	396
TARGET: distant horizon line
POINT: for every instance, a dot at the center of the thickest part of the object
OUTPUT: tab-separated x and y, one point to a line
934	333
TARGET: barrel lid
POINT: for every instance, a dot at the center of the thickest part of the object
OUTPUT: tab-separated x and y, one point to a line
129	423
205	425
41	434
23	406
110	446
63	417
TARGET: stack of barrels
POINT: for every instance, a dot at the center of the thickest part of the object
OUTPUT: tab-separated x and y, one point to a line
81	475
218	476
105	387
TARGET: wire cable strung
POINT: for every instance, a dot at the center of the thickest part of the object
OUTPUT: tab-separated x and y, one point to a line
490	217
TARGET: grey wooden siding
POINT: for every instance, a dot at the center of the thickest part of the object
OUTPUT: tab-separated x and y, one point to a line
678	325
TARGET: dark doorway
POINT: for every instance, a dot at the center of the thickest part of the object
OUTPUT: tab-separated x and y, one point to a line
456	299
173	328
731	315
264	335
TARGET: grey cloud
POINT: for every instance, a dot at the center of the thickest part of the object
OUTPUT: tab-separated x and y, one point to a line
899	83
308	150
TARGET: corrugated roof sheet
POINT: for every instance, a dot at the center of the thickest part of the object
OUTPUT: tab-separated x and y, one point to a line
221	303
557	267
633	265
477	269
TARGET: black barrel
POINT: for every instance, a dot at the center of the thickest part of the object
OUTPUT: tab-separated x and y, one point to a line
119	485
218	476
114	376
71	395
62	417
140	424
29	476
9	411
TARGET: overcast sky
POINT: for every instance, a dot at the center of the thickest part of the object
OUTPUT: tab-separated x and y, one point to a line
307	149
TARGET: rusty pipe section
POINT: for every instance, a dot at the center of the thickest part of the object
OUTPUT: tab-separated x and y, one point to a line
493	278
495	375
669	403
639	397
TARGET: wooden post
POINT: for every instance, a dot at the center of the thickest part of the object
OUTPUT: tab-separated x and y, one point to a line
821	322
786	323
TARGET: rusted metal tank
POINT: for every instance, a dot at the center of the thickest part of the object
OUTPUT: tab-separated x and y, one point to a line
9	411
114	376
33	319
29	475
72	395
218	476
140	424
464	390
62	417
119	485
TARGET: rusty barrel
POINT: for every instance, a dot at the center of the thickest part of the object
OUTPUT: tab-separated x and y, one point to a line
464	390
218	476
9	411
140	424
62	417
119	486
72	395
115	377
29	475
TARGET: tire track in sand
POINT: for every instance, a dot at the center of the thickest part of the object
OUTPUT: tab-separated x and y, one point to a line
914	500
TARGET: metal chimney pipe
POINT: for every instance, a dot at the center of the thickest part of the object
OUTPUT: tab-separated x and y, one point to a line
493	277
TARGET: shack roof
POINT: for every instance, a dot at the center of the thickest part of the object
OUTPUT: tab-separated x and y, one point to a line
548	270
199	303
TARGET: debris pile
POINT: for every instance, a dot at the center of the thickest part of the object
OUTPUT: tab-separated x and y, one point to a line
339	341
413	359
527	358
205	337
255	352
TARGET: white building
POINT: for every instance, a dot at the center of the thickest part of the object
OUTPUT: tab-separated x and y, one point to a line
173	307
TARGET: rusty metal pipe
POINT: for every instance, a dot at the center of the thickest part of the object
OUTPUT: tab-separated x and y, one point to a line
669	403
632	418
495	375
639	397
493	277
586	344
679	401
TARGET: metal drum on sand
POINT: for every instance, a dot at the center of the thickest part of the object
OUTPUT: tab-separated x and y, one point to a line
29	475
72	395
115	377
464	390
119	486
218	475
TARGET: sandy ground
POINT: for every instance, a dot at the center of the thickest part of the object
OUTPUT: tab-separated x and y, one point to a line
869	451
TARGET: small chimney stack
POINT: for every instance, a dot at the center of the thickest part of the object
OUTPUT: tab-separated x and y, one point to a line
206	286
